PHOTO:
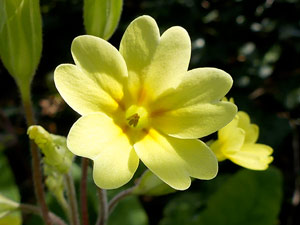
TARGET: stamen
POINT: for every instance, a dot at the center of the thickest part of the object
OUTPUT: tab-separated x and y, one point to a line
133	120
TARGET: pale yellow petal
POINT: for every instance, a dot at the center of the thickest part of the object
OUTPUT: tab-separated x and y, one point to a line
201	85
226	132
103	62
252	130
154	63
194	121
93	133
253	156
138	46
231	137
96	136
193	109
115	166
81	91
174	160
216	147
170	62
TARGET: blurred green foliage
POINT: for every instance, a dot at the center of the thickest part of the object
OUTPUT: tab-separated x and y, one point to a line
9	190
257	42
248	197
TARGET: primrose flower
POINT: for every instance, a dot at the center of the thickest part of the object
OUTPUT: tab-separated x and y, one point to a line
237	142
142	103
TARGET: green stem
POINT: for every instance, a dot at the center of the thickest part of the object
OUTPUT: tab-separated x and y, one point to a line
83	191
72	199
103	207
65	206
36	166
36	210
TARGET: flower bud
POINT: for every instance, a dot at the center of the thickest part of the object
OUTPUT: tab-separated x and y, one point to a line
20	39
54	148
101	17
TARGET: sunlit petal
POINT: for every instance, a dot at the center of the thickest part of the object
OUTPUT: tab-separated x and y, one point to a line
253	156
81	91
100	60
93	133
193	109
252	130
174	160
154	63
115	166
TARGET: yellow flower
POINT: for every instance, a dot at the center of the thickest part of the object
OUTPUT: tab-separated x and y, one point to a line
141	103
237	142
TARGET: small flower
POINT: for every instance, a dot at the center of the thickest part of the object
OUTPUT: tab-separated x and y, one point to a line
237	142
142	103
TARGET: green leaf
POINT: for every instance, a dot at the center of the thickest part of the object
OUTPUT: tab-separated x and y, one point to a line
128	212
248	198
8	190
151	185
101	17
20	39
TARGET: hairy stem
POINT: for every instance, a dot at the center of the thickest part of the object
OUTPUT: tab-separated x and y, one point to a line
36	210
72	199
123	194
83	191
103	207
119	197
36	166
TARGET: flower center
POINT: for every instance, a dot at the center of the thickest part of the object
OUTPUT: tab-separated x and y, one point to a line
137	117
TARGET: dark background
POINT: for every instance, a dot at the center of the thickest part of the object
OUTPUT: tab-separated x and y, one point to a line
257	42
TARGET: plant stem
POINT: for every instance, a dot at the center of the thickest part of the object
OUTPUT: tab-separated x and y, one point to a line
65	206
119	197
123	194
83	191
296	151
36	166
72	199
36	210
103	207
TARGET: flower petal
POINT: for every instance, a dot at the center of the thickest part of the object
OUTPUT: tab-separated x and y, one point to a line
201	85
231	137
216	147
93	133
252	130
253	156
95	136
138	46
192	110
154	63
170	62
174	160
116	166
81	91
100	60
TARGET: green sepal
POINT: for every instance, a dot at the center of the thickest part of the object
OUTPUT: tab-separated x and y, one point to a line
20	39
101	17
151	185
